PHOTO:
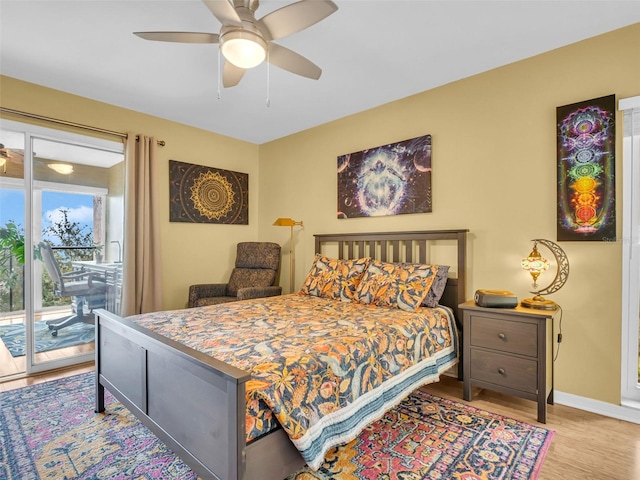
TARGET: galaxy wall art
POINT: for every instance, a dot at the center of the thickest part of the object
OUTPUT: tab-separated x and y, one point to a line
586	170
199	194
392	179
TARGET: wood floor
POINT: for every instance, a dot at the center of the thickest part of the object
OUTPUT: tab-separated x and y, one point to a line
45	377
10	365
15	365
586	446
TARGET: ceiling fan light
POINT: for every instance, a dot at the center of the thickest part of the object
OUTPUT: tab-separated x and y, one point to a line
243	48
61	168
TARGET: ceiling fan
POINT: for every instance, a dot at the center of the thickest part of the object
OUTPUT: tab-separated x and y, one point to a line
10	155
246	42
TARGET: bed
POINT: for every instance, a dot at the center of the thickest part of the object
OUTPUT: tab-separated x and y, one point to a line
200	405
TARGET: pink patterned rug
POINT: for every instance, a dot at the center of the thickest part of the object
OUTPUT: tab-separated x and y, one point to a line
50	431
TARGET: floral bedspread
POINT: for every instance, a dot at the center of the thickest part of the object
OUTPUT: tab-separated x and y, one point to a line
321	368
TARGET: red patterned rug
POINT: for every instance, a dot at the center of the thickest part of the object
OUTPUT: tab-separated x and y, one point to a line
428	437
49	431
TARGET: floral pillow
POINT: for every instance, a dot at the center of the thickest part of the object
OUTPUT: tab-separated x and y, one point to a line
333	278
395	285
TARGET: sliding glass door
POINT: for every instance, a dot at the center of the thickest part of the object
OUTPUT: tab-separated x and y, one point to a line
70	222
630	393
12	269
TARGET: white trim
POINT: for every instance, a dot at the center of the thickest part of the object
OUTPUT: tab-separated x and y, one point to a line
36	230
62	136
47	365
631	404
621	412
69	188
13	183
628	103
630	329
18	184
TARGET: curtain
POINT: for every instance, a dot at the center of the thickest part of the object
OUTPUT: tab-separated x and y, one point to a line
142	268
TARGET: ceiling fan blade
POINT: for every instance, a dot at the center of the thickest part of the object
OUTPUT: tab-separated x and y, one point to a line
231	75
179	37
13	155
296	17
223	11
292	62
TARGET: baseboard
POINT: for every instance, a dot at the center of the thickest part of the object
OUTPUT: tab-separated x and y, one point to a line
621	412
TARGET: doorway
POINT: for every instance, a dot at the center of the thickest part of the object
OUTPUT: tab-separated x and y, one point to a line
61	217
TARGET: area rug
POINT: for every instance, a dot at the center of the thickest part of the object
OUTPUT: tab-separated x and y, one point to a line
50	431
13	336
428	437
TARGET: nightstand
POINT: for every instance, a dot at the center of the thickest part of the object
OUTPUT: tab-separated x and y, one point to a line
509	350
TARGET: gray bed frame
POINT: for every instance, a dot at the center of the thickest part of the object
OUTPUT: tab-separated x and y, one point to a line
195	404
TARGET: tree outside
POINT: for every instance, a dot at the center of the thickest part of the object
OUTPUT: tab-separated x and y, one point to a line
62	233
11	267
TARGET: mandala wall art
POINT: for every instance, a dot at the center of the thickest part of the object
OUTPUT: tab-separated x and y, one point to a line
200	194
586	170
392	179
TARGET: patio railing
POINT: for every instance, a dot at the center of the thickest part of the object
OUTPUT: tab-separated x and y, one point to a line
12	279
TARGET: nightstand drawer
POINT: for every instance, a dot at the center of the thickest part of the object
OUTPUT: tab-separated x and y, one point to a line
504	335
505	370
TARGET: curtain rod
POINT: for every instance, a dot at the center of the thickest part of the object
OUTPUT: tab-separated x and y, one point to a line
70	124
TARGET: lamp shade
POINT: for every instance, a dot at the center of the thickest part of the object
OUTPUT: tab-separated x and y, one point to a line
535	264
243	48
285	222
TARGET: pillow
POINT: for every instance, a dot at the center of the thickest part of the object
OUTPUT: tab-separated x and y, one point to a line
395	285
437	287
335	279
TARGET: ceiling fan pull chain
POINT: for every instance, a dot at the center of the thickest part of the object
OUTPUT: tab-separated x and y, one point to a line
268	80
219	75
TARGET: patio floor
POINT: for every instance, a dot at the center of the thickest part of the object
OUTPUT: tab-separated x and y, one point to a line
10	365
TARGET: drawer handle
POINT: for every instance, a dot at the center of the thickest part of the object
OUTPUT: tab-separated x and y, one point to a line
501	371
502	336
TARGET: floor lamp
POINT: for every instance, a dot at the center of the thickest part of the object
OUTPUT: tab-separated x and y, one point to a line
289	222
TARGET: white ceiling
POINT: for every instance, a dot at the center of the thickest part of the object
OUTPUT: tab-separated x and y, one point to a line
371	52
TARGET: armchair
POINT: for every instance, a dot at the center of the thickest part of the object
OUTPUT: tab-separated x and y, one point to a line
255	275
86	289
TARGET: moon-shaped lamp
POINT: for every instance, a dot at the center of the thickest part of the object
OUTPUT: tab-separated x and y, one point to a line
535	264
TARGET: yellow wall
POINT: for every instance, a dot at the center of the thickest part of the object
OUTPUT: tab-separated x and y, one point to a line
192	253
494	172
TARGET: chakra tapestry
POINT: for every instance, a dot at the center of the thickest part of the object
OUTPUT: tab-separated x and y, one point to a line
200	194
393	179
586	168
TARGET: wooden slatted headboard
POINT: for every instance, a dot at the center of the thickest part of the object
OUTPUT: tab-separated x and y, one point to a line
410	247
